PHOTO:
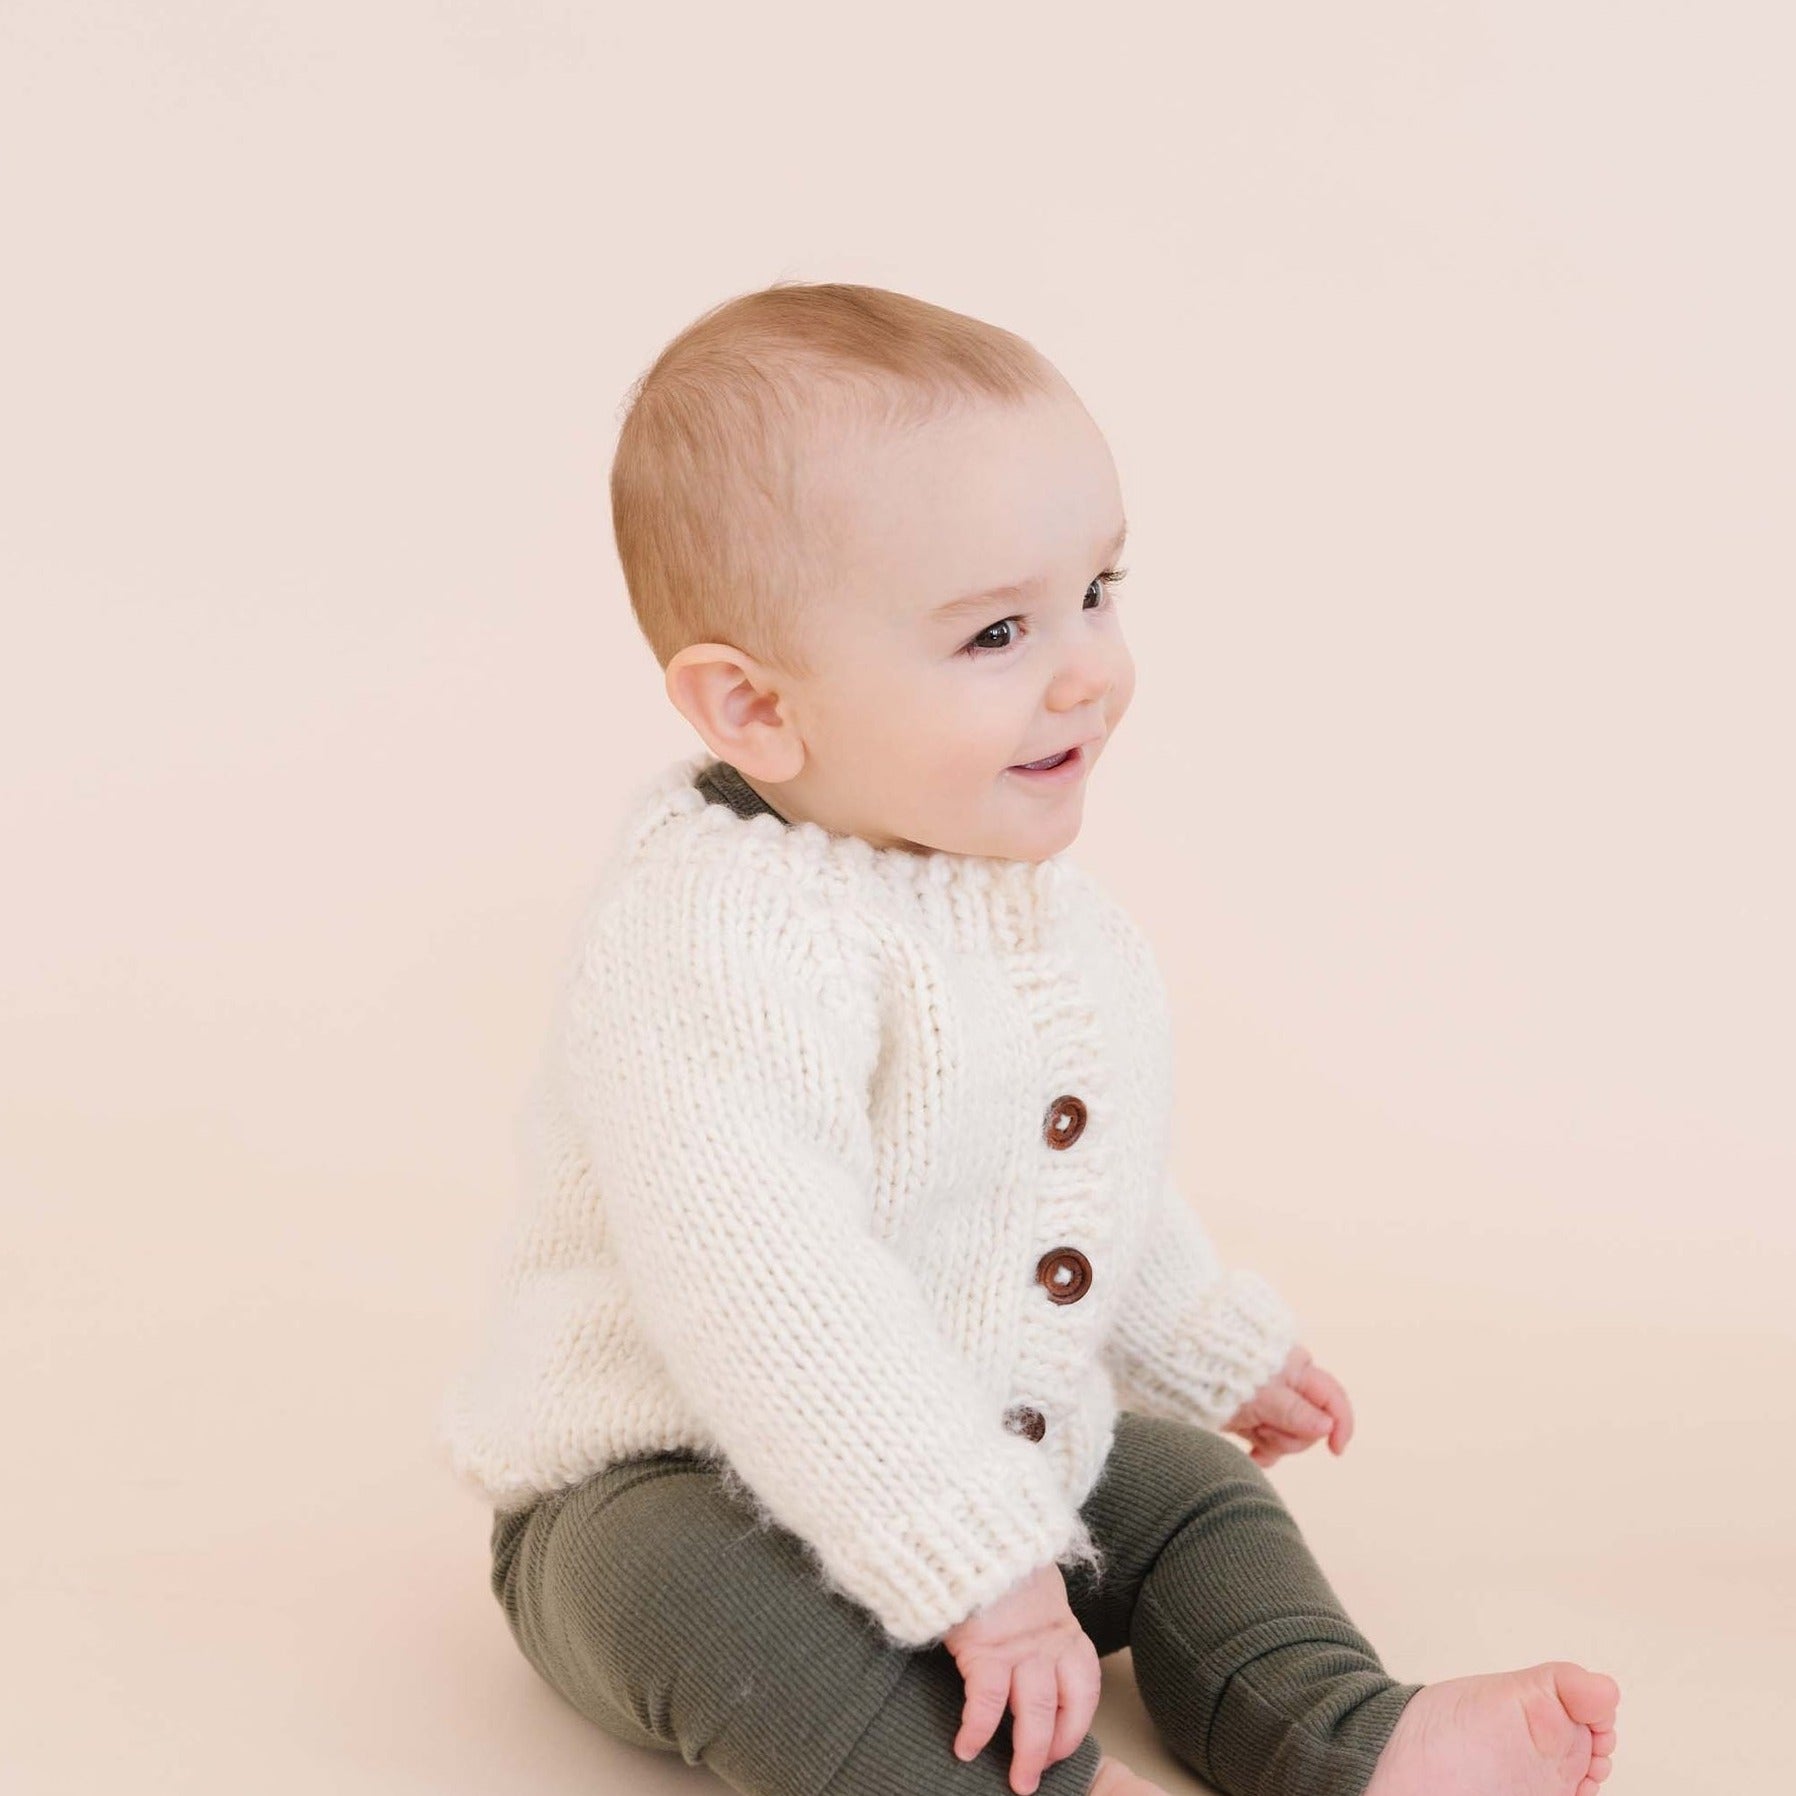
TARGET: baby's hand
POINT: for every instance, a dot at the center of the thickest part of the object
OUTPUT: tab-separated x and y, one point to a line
1026	1654
1293	1410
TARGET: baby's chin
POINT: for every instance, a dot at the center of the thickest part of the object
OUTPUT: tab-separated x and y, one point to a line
1027	830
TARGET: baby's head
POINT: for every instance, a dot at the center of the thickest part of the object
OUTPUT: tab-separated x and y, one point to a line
872	543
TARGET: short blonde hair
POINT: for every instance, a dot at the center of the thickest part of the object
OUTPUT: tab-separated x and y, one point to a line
704	485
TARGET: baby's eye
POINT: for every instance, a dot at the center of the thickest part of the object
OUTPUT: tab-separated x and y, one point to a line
978	646
1107	579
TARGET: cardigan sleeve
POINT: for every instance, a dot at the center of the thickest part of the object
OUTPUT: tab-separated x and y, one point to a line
1192	1339
721	1047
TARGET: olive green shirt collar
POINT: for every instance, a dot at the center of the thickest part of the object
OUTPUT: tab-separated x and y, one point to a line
722	784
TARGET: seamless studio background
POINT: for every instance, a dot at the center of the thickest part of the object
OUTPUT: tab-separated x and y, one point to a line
1445	355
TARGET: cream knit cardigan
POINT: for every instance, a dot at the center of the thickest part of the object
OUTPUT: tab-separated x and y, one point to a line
788	1188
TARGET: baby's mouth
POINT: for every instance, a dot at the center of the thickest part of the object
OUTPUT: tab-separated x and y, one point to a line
1053	769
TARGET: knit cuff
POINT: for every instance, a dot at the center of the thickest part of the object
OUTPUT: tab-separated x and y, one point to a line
964	1551
1235	1338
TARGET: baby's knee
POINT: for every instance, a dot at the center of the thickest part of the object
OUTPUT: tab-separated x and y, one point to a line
1191	1456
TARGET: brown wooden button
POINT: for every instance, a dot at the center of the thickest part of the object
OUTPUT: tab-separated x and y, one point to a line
1065	1121
1066	1273
1024	1420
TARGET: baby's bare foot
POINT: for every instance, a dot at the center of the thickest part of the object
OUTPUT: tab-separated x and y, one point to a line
1546	1731
1114	1778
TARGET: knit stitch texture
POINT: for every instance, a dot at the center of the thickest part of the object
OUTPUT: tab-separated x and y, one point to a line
788	1186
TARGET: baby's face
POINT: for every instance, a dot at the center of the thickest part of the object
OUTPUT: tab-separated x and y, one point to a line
966	629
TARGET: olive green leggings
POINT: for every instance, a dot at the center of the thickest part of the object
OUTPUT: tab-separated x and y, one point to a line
658	1605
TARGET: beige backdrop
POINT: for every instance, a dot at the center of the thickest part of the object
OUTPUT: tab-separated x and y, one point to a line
1446	357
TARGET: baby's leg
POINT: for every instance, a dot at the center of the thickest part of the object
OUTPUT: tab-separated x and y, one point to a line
652	1599
1252	1672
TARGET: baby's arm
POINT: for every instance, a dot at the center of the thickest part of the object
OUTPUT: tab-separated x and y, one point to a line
721	1044
1195	1340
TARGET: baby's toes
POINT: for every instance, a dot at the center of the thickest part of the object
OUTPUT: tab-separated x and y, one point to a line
1599	1769
1602	1741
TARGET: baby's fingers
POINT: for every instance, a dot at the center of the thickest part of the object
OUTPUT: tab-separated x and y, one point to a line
988	1695
1081	1684
1325	1390
1032	1732
1284	1409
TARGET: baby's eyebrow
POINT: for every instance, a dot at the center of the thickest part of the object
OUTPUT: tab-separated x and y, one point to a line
1019	589
983	601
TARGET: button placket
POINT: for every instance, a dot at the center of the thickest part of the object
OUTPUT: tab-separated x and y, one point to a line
1064	1272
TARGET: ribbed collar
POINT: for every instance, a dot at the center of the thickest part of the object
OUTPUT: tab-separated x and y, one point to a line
723	784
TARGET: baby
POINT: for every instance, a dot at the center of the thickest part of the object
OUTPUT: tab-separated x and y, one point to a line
850	1221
